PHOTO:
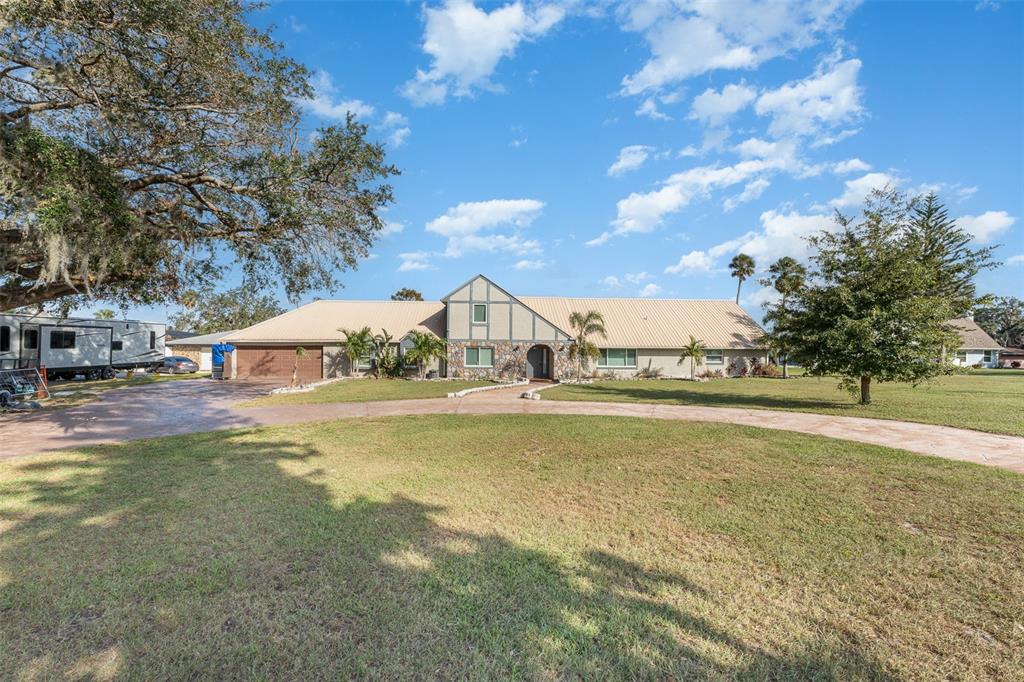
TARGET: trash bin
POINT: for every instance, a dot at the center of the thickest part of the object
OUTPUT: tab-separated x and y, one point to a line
432	374
218	372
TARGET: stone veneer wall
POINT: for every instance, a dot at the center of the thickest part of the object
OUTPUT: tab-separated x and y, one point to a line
509	359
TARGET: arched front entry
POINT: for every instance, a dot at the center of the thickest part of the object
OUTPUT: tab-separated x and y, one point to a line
538	362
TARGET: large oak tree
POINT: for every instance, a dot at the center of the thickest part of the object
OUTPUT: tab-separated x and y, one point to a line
143	140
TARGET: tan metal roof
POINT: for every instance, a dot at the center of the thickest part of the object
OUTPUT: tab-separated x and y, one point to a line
656	323
318	322
972	336
201	340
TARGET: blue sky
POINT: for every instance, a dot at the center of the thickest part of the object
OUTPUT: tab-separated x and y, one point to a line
580	149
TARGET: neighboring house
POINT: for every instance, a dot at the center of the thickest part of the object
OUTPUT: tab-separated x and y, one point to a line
493	334
197	348
174	335
1012	358
976	346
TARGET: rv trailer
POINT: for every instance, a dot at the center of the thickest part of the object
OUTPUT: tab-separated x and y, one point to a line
70	346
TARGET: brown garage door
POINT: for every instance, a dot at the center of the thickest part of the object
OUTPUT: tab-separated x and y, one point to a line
261	362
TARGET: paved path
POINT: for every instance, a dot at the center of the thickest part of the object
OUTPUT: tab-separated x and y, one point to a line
194	406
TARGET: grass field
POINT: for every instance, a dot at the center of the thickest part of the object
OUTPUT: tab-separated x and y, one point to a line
508	546
364	390
985	402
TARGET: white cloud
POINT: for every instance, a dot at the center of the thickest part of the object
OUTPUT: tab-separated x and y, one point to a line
295	25
714	108
858	189
815	105
612	282
391	227
517	143
850	166
393	119
987	225
689	39
695	261
325	104
414	260
649	108
753	190
642	212
398	137
530	265
468	226
1015	260
651	289
466	43
634	278
630	158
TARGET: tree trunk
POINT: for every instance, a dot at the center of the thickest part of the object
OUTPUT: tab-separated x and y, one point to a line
693	374
865	390
295	373
785	367
739	283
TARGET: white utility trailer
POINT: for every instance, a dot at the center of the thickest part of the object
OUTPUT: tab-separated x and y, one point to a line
69	346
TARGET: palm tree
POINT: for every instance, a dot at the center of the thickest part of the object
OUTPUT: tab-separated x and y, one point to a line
300	353
742	267
425	347
582	351
694	351
787	276
386	359
357	345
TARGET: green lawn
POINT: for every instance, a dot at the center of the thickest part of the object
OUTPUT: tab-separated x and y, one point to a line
985	402
365	390
508	546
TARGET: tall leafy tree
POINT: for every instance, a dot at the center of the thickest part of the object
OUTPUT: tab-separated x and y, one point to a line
105	314
945	252
741	267
787	276
142	139
583	350
869	313
358	344
406	294
1003	319
209	311
694	352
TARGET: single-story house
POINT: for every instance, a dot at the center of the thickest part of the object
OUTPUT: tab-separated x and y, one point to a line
494	334
976	346
197	348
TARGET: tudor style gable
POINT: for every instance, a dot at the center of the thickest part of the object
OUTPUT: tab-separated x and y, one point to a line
480	310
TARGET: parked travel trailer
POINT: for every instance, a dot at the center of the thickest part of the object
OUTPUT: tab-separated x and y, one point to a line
70	346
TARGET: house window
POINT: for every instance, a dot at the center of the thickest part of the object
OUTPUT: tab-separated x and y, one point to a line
479	313
961	356
117	345
713	357
61	340
990	356
479	357
5	339
617	357
30	339
152	340
365	362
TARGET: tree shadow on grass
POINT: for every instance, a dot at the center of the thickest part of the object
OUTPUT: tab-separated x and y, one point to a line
222	556
685	393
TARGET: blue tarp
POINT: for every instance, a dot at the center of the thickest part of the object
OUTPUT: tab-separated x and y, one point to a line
219	349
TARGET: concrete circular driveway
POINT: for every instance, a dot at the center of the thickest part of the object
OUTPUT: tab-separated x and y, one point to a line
192	406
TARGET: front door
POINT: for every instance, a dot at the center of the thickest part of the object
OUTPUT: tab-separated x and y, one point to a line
537	366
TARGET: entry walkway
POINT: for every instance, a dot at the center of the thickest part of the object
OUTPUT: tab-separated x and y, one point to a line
195	406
